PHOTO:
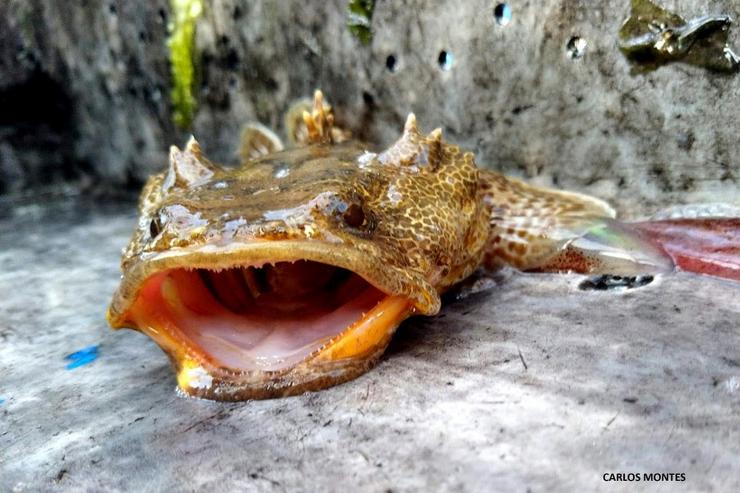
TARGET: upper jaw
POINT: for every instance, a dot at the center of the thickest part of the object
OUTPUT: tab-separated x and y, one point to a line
373	268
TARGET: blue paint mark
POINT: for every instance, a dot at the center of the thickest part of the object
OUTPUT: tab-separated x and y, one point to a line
82	357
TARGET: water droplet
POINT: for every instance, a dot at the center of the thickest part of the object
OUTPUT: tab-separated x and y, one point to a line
576	47
502	14
366	159
394	195
281	171
445	60
220	184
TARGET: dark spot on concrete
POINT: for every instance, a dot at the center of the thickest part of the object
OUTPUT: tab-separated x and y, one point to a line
519	109
445	60
502	14
685	140
731	362
659	172
687	184
576	47
368	99
232	59
609	282
60	475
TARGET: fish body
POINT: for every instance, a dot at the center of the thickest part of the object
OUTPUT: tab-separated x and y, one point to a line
291	272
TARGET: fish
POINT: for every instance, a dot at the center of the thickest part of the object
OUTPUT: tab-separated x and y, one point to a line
291	271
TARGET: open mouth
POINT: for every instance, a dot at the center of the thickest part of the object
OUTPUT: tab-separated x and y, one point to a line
267	317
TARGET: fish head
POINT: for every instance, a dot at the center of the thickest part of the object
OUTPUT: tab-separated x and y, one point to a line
291	272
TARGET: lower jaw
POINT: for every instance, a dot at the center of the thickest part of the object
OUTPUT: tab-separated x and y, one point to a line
338	359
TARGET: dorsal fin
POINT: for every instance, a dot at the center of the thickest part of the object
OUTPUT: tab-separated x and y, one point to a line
188	167
413	148
312	122
256	141
319	121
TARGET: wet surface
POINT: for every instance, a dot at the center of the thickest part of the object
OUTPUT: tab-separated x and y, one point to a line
529	383
653	36
606	282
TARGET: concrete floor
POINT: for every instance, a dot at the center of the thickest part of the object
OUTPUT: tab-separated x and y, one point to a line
533	385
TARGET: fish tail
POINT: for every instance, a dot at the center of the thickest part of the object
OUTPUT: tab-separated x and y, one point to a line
706	245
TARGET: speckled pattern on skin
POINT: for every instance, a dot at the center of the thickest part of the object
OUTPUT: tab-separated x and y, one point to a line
522	213
412	220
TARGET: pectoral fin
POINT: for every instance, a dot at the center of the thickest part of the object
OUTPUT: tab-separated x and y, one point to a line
537	229
256	141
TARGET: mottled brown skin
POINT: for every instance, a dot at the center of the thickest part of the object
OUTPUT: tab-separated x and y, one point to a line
412	220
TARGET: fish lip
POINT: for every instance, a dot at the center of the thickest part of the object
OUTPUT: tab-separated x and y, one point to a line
388	279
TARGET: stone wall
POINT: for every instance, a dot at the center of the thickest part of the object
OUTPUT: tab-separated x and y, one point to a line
85	84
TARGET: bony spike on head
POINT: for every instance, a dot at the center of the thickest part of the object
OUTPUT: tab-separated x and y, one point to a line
414	149
188	168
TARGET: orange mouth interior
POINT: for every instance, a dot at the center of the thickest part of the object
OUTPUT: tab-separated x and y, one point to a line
268	317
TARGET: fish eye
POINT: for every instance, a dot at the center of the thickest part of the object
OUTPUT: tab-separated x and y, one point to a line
354	216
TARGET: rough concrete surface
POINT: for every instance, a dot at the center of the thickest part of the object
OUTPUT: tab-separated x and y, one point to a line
84	87
533	385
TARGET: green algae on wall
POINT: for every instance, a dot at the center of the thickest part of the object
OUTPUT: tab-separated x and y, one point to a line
359	15
181	44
